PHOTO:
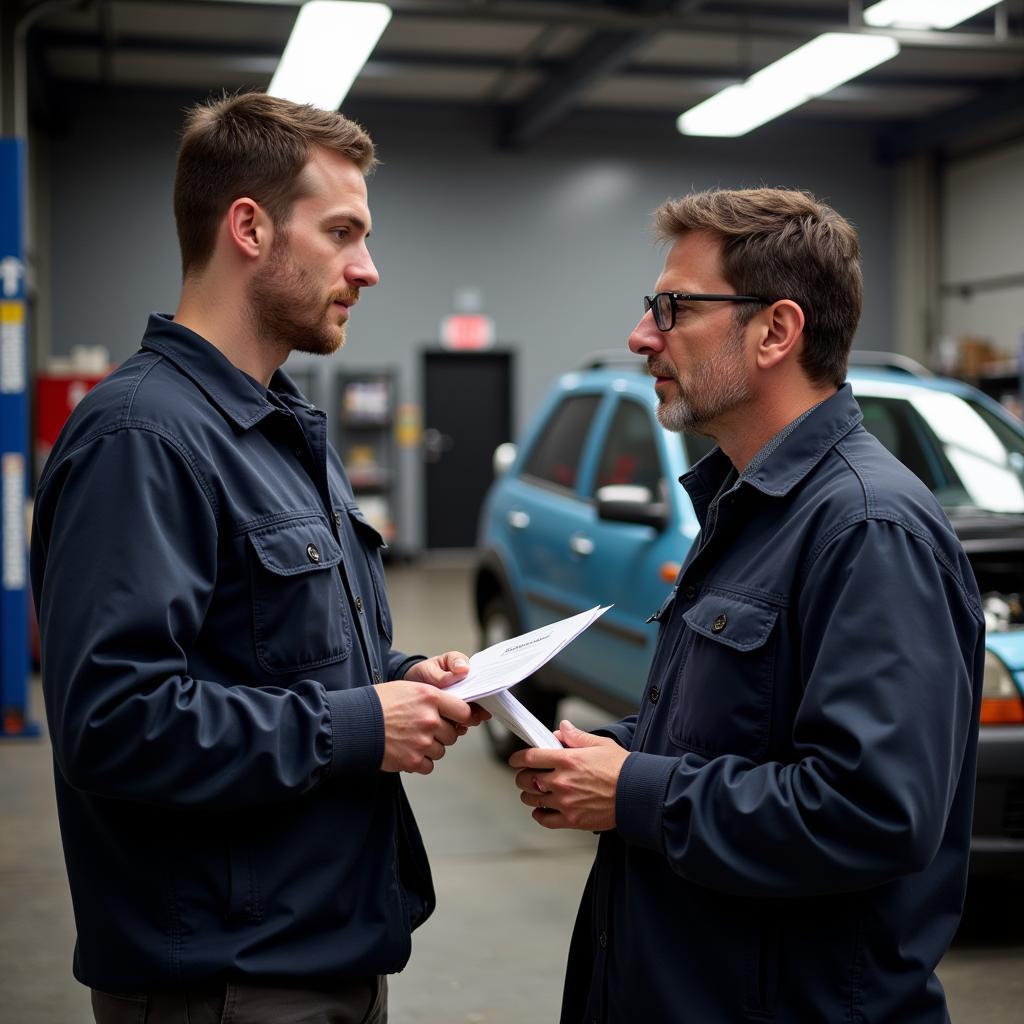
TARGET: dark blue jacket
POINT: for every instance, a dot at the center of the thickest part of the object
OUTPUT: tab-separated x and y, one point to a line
212	610
794	823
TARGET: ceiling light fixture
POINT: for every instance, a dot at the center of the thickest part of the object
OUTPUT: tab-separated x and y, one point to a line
923	13
328	47
809	71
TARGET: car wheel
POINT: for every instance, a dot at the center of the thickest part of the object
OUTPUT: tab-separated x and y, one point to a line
499	622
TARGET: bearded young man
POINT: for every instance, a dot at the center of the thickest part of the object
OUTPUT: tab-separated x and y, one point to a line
785	823
227	712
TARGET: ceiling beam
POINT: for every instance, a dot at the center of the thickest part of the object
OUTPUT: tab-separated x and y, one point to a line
716	75
999	109
776	20
586	14
602	54
594	15
780	22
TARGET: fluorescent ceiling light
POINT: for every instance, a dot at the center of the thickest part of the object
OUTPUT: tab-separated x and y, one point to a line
328	47
924	13
811	70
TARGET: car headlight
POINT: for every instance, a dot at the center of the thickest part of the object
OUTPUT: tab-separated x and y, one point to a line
1001	702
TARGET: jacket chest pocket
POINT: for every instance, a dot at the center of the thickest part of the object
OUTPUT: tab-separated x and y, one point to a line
300	618
722	700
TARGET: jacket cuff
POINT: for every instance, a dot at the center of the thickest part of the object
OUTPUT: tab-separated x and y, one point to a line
357	730
640	799
401	670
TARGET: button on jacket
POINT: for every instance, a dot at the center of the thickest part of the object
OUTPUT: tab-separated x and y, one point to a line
212	610
793	822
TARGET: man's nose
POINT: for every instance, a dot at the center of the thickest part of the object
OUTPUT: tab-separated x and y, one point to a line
645	338
362	273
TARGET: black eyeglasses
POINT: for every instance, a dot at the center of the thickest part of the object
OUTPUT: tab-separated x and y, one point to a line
664	304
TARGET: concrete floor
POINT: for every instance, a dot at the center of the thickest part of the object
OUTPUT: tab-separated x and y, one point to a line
507	890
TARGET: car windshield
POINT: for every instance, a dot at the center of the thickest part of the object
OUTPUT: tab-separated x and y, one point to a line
970	457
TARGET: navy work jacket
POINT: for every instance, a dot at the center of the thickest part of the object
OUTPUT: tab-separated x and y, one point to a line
793	822
213	612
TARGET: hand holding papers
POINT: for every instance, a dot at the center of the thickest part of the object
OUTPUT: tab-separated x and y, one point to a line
494	670
511	661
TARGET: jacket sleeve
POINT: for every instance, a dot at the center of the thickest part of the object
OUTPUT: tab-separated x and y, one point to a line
622	731
891	647
125	543
399	663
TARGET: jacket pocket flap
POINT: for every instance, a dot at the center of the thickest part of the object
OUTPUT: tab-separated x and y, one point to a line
296	546
732	621
368	529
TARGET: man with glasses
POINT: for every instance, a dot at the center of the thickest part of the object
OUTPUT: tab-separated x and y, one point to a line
228	714
785	822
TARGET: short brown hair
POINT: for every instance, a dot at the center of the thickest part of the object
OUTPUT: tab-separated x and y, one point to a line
251	144
783	244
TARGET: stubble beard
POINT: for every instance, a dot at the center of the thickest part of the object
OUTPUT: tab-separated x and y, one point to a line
289	309
715	387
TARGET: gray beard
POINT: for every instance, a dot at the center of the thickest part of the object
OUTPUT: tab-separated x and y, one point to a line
716	387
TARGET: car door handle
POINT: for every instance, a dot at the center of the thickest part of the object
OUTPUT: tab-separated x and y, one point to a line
581	545
518	519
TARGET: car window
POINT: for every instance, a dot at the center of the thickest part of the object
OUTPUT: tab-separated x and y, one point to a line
967	456
895	423
630	451
555	456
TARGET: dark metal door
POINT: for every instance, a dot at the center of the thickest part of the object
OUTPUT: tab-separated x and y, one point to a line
467	413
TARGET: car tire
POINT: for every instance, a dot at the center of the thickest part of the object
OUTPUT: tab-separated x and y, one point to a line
498	621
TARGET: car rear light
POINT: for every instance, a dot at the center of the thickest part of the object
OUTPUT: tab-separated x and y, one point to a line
669	571
1001	701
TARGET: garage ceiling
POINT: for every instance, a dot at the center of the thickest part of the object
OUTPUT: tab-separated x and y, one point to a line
533	63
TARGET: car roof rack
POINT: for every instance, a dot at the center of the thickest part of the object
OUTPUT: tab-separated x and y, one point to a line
889	361
614	357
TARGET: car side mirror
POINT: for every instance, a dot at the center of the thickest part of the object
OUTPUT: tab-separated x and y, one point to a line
628	503
503	457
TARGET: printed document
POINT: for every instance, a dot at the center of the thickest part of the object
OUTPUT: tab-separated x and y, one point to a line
494	670
510	661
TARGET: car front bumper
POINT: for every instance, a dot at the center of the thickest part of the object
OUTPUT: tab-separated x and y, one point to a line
997	836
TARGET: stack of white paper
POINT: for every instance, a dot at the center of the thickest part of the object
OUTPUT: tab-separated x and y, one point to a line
494	670
518	718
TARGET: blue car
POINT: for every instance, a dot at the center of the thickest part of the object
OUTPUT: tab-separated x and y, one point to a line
587	510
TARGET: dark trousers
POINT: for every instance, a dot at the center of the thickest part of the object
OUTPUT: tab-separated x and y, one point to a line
361	1002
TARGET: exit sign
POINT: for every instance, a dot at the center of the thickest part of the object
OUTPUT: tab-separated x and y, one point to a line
467	332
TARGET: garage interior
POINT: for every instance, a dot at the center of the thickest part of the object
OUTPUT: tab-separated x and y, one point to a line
524	144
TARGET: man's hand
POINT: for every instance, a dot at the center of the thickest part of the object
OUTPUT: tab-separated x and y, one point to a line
420	721
574	787
441	670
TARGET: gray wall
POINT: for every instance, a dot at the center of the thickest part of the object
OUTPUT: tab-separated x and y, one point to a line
554	237
982	233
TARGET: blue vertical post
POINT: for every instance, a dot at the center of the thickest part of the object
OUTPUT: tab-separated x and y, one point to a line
14	457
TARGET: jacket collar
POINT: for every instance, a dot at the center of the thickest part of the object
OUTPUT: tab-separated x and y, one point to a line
785	467
233	392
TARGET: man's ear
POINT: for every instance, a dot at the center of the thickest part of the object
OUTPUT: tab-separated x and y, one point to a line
248	228
783	331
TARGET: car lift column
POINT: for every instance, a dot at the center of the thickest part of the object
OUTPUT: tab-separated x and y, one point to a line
14	458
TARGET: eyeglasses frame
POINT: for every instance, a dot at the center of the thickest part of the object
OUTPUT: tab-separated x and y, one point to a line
649	301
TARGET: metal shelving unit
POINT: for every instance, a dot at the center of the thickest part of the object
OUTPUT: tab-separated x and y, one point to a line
363	417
